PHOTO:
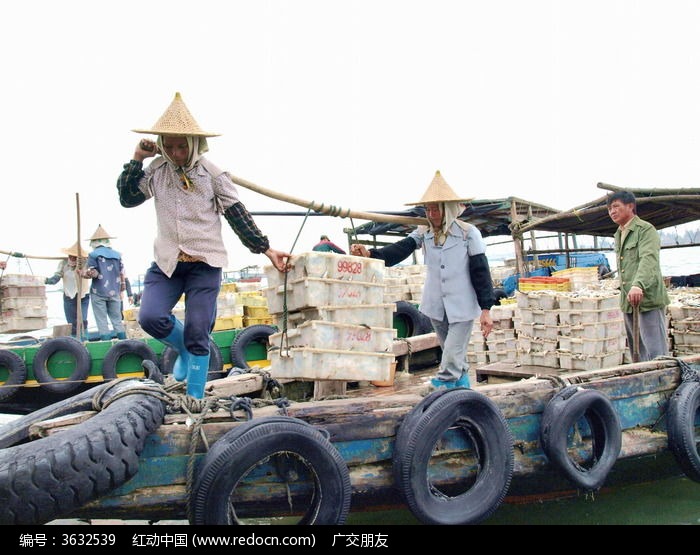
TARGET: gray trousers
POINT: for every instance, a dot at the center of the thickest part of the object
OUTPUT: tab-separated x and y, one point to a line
453	339
653	333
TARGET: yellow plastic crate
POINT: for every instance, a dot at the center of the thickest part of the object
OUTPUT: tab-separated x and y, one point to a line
228	287
250	321
540	283
228	323
256	311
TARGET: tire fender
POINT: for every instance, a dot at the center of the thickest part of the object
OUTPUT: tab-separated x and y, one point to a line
122	348
252	334
417	323
485	427
568	407
683	440
258	440
16	374
81	370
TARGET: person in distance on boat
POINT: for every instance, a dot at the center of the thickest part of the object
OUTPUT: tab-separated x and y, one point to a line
3	264
642	287
458	287
190	196
326	245
106	269
69	270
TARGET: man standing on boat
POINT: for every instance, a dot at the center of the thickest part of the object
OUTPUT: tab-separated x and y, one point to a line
69	270
458	288
326	245
643	295
105	267
190	195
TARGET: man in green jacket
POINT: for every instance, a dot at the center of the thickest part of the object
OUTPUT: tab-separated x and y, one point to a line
642	287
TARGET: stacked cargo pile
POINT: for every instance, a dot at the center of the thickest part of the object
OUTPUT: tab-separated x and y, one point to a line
579	278
580	330
684	311
538	327
501	343
23	304
338	325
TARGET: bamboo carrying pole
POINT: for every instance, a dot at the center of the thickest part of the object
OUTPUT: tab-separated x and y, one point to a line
330	209
78	277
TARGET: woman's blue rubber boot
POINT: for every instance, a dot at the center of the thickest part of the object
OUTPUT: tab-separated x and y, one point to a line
197	375
176	340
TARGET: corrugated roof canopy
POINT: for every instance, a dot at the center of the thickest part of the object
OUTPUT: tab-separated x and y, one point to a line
662	207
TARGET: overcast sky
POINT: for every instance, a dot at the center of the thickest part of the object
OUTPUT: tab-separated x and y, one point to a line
355	104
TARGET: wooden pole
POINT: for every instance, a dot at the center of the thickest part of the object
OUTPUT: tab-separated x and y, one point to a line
329	209
78	277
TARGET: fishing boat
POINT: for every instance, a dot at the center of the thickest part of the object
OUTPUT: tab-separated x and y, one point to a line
310	437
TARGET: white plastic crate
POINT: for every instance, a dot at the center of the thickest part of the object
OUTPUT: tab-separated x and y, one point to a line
317	292
541	300
592	346
373	315
333	335
21	280
598	331
326	364
539	316
589	302
510	355
549	359
570	361
529	344
686	338
686	325
576	317
328	265
542	330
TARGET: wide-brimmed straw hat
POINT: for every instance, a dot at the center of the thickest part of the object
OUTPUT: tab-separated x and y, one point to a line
177	120
73	251
439	191
101	233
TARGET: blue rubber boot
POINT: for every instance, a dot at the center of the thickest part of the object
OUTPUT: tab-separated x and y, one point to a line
197	375
463	381
176	340
121	335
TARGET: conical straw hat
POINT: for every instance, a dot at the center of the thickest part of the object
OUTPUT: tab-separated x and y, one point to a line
73	250
100	233
176	120
439	191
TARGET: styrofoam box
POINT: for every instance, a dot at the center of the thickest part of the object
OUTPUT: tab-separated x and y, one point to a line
575	317
570	361
327	364
592	346
571	302
315	292
333	335
686	325
550	359
328	265
373	315
529	344
542	330
602	330
539	316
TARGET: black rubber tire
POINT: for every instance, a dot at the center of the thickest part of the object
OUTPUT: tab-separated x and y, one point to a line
123	348
683	440
240	449
259	333
80	372
416	322
562	412
499	294
50	477
16	374
484	424
216	361
406	427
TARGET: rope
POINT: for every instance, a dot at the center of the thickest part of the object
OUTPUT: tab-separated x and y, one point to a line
688	373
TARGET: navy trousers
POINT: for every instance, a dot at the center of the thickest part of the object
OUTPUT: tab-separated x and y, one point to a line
200	283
